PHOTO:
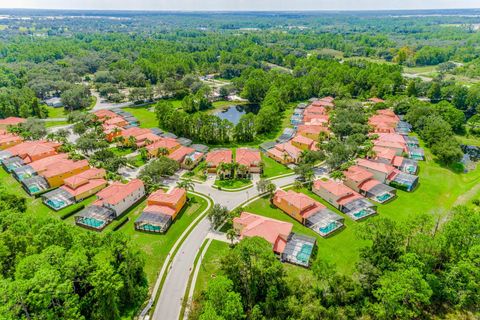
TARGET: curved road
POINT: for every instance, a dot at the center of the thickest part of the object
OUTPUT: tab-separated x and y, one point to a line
169	303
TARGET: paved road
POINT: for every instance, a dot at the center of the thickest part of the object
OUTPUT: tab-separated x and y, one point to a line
170	302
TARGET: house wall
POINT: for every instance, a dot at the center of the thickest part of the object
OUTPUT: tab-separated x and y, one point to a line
300	146
310	135
57	181
43	155
154	153
127	202
90	192
352	184
380	176
9	144
327	196
288	209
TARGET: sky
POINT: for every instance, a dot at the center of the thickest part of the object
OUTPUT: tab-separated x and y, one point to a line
240	5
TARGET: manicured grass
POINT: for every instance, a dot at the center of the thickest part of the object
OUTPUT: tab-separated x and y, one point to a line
210	265
272	168
157	246
197	173
49	124
146	117
420	69
56	112
138	161
470	140
121	151
232	183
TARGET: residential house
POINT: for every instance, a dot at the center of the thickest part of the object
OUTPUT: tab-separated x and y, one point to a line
250	158
30	151
8	140
215	157
111	202
192	159
76	188
10	121
162	208
362	181
304	143
312	131
285	153
308	212
181	153
388	174
21	170
389	156
344	199
169	145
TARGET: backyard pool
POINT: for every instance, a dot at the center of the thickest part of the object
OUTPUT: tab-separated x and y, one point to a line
304	254
56	204
384	197
328	228
362	213
91	222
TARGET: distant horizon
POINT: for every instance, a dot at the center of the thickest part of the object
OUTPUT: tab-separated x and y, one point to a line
239	5
235	11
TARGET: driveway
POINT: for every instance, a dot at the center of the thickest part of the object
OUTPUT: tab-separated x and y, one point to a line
169	303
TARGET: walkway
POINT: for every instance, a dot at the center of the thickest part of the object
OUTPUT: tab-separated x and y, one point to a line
169	303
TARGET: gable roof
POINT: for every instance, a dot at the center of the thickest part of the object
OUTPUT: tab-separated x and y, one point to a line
117	191
248	157
274	231
376	166
215	157
62	167
357	174
11	121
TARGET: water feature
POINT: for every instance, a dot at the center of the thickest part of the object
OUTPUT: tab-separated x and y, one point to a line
233	113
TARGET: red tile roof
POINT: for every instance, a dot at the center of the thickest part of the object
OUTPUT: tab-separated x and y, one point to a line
117	191
338	189
377	166
90	185
391	137
63	167
368	185
170	198
312	129
167	143
84	177
180	154
357	174
390	144
384	153
303	203
40	165
310	143
101	114
215	157
11	121
248	157
274	231
115	121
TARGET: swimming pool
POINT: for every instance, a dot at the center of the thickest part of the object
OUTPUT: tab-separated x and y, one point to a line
384	197
304	254
34	189
56	204
329	228
362	213
91	222
149	227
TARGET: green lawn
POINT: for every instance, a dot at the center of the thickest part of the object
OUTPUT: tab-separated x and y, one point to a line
210	265
121	151
49	124
470	140
56	112
197	173
420	69
146	117
272	168
232	183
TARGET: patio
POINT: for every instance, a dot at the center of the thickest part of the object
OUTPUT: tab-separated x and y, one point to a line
153	222
381	193
12	163
95	217
324	222
22	173
35	185
359	209
58	199
409	166
299	249
416	153
405	181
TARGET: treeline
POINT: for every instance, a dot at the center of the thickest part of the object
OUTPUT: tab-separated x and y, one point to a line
436	124
50	270
413	270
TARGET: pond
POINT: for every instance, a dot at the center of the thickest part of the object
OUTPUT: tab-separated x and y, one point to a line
234	113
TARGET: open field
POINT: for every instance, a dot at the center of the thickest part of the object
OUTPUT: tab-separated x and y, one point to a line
146	117
470	140
56	112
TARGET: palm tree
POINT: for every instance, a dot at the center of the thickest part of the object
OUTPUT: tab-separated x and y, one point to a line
131	142
222	169
162	151
242	170
371	154
231	235
186	184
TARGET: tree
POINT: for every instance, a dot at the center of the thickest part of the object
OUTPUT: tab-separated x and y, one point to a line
222	300
447	151
217	215
231	235
186	184
266	186
256	274
77	97
32	129
157	169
